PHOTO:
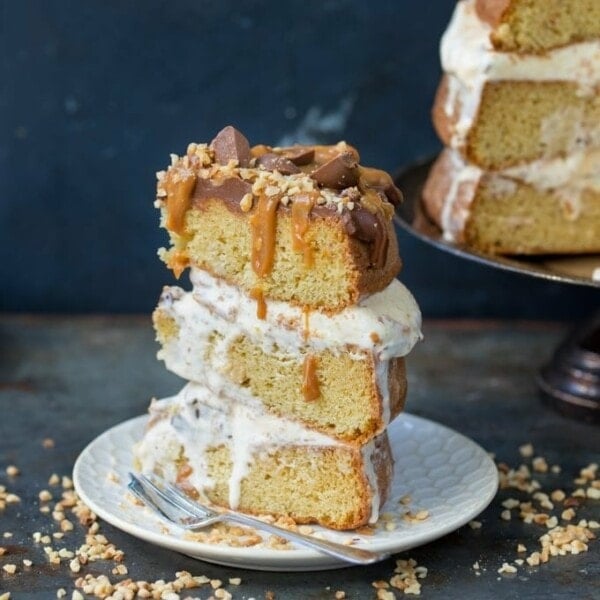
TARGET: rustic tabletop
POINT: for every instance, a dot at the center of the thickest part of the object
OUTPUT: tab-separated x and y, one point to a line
64	380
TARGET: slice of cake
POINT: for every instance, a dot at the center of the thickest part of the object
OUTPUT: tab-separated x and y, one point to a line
292	337
237	456
305	224
519	107
213	335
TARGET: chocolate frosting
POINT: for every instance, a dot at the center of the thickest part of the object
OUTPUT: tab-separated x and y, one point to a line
370	228
231	190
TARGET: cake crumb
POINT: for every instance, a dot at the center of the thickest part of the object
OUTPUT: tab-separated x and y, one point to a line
45	496
507	568
12	471
235	580
593	493
10	568
48	443
568	514
27	562
521	548
505	515
340	595
475	524
526	450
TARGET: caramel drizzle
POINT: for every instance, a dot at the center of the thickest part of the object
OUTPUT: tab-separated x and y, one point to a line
261	306
264	226
310	381
179	197
301	207
305	322
178	262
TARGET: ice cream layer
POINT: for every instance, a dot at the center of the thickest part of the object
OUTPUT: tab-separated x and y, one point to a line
186	427
213	335
566	178
386	323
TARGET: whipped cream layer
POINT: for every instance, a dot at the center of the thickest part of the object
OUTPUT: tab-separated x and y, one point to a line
470	61
386	323
566	178
196	420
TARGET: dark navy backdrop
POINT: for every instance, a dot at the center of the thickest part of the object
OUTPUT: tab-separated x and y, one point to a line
95	95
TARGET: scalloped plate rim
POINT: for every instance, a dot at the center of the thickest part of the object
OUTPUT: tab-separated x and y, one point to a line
297	559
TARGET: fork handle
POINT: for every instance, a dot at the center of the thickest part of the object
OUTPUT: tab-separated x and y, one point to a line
347	553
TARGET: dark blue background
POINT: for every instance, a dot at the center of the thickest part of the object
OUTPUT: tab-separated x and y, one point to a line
95	95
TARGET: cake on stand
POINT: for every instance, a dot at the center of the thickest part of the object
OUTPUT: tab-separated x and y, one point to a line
570	382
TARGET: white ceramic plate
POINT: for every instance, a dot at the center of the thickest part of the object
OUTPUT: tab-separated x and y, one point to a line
444	473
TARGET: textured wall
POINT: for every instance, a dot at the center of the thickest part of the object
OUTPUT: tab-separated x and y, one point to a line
95	95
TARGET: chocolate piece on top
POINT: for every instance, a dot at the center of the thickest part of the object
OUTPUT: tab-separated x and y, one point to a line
231	190
230	144
274	162
300	155
338	173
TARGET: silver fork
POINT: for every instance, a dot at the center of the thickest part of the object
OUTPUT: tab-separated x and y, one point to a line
172	504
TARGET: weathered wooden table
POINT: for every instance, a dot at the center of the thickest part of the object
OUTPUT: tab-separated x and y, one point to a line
69	379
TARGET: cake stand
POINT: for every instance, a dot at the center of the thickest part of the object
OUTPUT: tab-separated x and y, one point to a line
570	382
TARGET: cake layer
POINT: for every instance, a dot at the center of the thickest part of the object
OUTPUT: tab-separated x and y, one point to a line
250	461
542	208
341	374
307	225
501	109
534	25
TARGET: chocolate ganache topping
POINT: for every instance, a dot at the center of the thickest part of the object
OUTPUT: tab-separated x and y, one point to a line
260	177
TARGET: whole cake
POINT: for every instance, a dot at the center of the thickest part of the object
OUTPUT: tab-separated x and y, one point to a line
518	109
292	337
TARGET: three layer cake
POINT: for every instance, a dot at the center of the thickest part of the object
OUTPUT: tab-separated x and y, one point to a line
293	336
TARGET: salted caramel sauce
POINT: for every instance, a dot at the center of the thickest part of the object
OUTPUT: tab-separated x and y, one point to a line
324	154
261	306
183	472
301	207
374	337
264	226
305	322
260	149
179	188
178	262
310	382
376	178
